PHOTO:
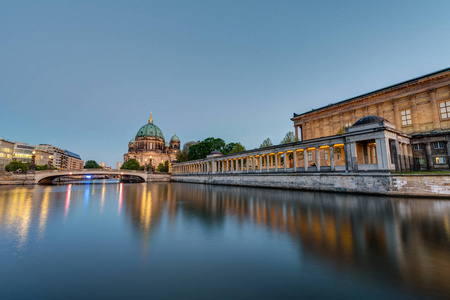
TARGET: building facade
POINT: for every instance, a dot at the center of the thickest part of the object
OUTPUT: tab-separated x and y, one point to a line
22	152
6	153
74	161
419	107
42	157
149	146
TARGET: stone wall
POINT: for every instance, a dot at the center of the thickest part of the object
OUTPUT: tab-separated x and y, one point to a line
382	184
16	179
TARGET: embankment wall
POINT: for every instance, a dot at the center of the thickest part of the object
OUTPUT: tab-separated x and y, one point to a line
433	185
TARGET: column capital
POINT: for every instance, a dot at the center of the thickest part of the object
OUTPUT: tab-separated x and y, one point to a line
394	101
431	91
412	97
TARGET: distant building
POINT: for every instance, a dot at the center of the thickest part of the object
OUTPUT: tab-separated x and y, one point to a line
103	165
62	159
74	161
118	165
59	156
42	157
22	152
6	153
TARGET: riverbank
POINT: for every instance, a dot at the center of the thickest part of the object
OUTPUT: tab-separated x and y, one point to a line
415	185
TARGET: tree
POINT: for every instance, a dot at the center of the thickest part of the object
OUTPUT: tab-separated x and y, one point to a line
202	149
183	155
132	164
237	148
289	138
163	167
228	148
16	166
91	164
266	143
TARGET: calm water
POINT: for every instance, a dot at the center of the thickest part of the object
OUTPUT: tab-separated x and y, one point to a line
191	241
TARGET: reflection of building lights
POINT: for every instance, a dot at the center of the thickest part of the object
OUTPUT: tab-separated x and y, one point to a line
120	197
67	203
44	212
88	176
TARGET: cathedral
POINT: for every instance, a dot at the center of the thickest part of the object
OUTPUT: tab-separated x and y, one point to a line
149	147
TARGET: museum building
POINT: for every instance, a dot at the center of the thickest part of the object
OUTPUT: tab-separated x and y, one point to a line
149	147
418	108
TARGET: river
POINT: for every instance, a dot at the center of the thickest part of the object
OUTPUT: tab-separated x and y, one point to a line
109	240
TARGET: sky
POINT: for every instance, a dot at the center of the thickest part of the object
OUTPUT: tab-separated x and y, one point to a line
85	75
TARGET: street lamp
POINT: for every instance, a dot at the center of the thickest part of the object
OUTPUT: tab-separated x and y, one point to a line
150	169
33	163
49	163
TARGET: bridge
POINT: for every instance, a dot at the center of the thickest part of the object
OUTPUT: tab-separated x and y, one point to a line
48	176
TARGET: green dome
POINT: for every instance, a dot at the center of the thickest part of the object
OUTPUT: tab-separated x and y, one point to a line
150	130
175	138
167	145
132	141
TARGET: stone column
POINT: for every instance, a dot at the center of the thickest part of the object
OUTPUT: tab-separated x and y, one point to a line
268	162
353	158
294	159
275	160
434	109
318	159
414	113
296	131
380	110
331	153
260	163
305	159
397	119
285	160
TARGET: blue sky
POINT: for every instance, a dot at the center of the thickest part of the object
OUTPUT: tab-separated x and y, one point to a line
84	75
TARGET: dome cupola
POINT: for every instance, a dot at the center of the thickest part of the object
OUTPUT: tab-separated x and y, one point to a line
150	130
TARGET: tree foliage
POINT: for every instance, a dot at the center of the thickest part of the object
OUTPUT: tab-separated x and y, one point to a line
205	147
266	143
91	164
237	148
163	167
289	138
16	166
183	155
201	149
132	164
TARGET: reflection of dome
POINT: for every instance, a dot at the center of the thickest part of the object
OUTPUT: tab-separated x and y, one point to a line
150	130
175	138
368	120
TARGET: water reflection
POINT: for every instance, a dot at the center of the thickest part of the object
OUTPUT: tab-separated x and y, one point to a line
405	242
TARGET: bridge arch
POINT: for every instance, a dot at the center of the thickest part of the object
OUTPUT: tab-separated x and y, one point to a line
42	177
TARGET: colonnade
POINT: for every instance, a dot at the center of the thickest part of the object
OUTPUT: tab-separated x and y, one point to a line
371	147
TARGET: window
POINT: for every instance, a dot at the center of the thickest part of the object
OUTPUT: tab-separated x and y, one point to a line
438	145
418	147
310	156
406	117
348	124
444	108
422	161
440	160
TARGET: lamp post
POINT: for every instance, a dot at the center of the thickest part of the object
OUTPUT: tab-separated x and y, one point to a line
49	163
32	163
150	169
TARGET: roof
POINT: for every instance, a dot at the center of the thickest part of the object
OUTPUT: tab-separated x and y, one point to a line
368	120
71	154
376	91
